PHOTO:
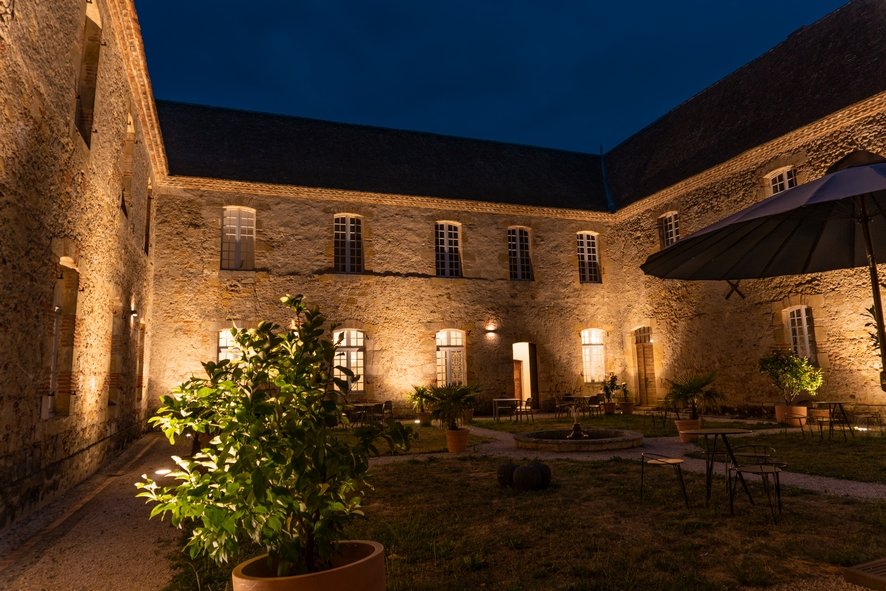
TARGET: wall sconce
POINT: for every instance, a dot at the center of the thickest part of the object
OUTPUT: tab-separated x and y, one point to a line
490	326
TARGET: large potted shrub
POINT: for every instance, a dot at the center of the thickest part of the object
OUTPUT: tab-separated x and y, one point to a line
278	469
422	401
793	375
610	388
695	393
450	403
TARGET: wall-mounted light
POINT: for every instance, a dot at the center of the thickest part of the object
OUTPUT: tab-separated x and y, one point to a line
490	326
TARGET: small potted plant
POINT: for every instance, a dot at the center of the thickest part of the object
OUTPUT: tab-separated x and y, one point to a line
610	388
421	400
793	375
627	405
693	392
277	468
450	403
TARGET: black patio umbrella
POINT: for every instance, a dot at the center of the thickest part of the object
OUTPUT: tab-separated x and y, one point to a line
835	222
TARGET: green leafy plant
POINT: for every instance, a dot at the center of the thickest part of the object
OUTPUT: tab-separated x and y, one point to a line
421	398
792	374
452	400
694	392
611	386
278	468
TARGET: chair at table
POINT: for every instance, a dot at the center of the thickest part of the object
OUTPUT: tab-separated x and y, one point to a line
387	410
524	410
756	460
594	405
867	417
376	412
562	407
659	460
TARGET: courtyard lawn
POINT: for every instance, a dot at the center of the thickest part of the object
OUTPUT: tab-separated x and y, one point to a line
859	458
446	524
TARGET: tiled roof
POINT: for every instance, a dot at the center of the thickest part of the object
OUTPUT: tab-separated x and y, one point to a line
818	70
246	146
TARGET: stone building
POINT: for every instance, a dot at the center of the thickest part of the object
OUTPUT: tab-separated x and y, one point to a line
135	232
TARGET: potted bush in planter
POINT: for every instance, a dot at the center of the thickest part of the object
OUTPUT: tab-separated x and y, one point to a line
610	387
278	468
421	400
450	403
695	393
792	375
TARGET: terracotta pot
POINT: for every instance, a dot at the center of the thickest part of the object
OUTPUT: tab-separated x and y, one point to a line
608	408
424	419
781	411
685	424
627	408
457	440
359	565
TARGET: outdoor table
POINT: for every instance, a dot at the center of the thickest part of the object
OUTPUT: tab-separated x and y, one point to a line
499	402
718	433
835	410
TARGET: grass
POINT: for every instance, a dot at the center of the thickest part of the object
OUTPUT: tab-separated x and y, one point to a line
446	524
640	423
859	458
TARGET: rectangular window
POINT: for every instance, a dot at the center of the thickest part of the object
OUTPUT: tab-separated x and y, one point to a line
787	179
227	346
519	262
588	258
668	229
593	357
350	353
448	253
802	333
238	239
348	244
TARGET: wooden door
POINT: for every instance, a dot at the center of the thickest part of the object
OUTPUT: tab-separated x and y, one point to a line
518	379
646	393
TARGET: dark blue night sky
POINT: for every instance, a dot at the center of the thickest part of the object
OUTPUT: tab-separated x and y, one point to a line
569	74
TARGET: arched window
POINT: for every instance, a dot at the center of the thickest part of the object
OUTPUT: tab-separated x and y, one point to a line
347	243
451	361
60	363
351	354
447	241
238	239
781	179
593	355
588	258
800	330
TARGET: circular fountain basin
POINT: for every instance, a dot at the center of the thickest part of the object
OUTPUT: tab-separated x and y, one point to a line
595	440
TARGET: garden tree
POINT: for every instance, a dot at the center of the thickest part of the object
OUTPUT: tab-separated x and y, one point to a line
278	468
792	374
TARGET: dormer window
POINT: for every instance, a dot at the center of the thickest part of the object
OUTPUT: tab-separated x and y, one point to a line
781	179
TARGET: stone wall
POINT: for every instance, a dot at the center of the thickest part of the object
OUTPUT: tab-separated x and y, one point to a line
60	204
398	301
697	329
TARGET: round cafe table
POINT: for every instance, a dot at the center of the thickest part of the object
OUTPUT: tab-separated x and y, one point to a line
718	433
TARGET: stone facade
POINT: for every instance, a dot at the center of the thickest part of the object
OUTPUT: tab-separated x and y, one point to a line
113	289
74	279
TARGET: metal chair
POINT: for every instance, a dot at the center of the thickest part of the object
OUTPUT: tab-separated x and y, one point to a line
756	460
387	409
524	410
562	407
660	460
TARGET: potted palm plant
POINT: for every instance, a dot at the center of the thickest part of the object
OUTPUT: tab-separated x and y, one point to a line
610	387
693	392
793	375
277	469
450	403
421	400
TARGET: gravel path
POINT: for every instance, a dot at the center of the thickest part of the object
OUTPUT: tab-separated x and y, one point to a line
98	536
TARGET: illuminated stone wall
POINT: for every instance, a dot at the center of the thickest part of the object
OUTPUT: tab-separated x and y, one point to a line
60	202
398	301
696	328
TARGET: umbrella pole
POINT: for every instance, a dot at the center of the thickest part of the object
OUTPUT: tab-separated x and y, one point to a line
875	286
